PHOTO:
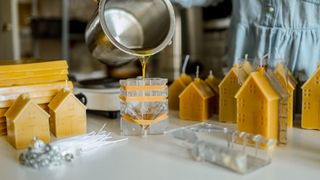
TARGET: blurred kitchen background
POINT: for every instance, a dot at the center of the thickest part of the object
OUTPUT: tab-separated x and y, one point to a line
54	29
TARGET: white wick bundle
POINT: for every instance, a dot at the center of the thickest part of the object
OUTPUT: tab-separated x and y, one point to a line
40	155
84	143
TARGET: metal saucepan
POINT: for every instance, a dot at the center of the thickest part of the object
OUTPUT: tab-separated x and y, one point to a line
121	30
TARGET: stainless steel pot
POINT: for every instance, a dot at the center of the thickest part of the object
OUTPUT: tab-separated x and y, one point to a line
121	30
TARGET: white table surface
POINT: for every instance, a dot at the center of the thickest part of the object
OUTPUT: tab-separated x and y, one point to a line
156	157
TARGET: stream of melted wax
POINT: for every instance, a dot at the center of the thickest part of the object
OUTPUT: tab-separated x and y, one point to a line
144	63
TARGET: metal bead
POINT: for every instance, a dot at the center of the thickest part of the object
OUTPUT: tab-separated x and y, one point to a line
271	9
36	166
40	155
68	157
48	148
33	155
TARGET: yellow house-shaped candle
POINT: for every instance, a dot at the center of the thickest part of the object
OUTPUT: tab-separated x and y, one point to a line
289	83
196	101
228	88
310	117
259	106
67	115
26	120
176	88
213	83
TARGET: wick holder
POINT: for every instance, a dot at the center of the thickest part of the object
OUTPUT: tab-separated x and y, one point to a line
237	151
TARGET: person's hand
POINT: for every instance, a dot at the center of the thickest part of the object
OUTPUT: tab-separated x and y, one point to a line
191	3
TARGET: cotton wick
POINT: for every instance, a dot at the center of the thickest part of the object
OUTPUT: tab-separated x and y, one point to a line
263	57
67	86
246	57
197	72
185	63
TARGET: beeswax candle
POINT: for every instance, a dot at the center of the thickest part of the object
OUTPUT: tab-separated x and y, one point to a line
26	120
67	115
228	88
289	83
257	106
196	101
310	117
213	83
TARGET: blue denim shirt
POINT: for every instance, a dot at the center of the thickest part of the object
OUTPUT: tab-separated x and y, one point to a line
284	29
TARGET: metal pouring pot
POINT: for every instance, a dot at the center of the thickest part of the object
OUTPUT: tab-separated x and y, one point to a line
121	30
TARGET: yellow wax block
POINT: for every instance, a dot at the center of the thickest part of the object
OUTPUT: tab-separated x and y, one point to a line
310	117
49	65
196	101
26	120
35	80
288	82
257	106
40	97
213	83
2	112
3	122
3	126
176	89
39	94
39	100
67	115
228	88
32	74
3	133
35	88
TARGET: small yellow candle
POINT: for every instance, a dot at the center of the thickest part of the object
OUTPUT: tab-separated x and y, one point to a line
288	82
196	101
228	88
26	120
213	83
67	115
258	106
310	117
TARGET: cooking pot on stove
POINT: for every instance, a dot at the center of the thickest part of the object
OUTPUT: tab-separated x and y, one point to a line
121	30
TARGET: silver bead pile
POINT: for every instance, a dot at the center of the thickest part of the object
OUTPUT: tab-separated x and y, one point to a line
40	155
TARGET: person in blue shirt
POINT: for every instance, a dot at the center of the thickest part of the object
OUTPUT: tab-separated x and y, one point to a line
284	29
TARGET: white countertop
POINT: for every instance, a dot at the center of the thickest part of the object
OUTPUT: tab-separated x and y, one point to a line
156	157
